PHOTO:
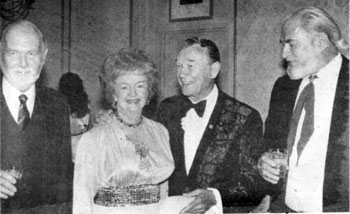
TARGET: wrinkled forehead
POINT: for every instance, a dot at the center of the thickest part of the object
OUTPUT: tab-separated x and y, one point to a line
289	28
22	33
192	52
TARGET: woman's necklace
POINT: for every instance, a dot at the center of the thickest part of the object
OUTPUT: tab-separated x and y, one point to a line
140	148
128	124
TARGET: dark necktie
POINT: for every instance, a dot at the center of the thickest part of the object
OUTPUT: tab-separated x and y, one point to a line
306	101
23	113
198	107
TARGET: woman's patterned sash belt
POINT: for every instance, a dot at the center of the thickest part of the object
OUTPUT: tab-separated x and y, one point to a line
127	196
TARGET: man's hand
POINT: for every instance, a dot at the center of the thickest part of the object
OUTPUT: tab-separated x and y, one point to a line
204	200
268	169
105	116
7	184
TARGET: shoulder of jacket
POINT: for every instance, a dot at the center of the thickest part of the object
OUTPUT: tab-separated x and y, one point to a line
50	95
173	99
232	104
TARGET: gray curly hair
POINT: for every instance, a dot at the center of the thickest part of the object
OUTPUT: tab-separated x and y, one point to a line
127	62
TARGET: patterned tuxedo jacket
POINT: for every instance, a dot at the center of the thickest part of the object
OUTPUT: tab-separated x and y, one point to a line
336	181
42	151
227	154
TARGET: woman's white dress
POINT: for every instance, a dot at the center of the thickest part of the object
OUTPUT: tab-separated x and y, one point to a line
105	157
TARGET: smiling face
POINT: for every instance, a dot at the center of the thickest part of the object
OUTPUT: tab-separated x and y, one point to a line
300	51
131	93
195	73
21	57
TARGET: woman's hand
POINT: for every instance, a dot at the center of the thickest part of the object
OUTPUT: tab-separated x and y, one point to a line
264	205
105	116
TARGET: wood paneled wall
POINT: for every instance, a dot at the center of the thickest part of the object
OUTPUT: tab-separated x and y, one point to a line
82	33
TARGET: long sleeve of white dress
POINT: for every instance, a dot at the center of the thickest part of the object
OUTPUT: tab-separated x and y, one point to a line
85	180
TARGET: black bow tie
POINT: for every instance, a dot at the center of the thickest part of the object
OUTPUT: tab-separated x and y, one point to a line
198	107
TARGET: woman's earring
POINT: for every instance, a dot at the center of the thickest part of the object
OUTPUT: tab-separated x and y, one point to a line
114	104
147	102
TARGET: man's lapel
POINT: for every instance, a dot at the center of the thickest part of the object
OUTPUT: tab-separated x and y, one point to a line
340	114
336	179
40	109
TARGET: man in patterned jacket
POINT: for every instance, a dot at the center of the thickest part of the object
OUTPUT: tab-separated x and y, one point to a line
215	139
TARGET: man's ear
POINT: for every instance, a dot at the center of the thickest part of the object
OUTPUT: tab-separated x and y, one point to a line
1	53
43	58
321	41
215	69
44	55
115	98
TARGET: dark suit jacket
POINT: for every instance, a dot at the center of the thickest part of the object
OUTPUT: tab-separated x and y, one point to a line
42	151
227	154
336	181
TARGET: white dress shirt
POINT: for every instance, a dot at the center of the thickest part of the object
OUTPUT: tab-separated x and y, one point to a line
305	181
194	127
11	95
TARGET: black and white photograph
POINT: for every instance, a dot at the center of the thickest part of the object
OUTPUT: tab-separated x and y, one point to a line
174	106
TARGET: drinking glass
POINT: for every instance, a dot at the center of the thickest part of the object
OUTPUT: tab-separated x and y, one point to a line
16	173
280	157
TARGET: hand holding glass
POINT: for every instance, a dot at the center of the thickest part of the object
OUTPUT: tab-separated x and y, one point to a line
8	181
280	157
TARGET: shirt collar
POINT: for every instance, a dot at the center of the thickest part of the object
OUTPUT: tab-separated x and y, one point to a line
7	87
212	96
331	69
11	95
